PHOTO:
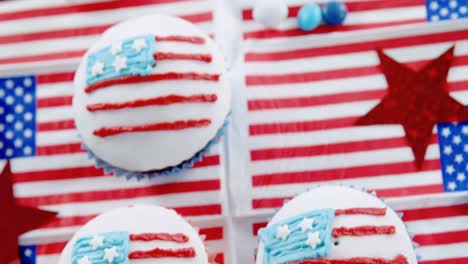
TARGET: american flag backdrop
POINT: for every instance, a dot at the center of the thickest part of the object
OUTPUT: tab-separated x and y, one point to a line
304	93
41	43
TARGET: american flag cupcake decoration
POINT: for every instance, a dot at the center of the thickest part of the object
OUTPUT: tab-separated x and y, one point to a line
151	96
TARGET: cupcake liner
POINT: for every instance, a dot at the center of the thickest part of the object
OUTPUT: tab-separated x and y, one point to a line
187	164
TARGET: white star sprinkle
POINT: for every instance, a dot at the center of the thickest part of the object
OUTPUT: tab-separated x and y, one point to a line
110	254
18	143
18	125
313	239
306	224
84	260
461	177
98	68
119	63
27	133
458	158
452	186
116	48
28	98
283	232
19	91
457	140
27	252
434	6
9	152
10	100
450	169
97	242
138	44
27	150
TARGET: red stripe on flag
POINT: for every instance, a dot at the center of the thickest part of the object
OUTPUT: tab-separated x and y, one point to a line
247	14
160	100
295	32
445	261
411	190
56	125
257	226
57	174
46	56
435	212
398	168
169	76
412	40
441	238
335	148
84	31
125	193
213	233
80	8
199	210
50	248
55	77
54	101
297	127
59	149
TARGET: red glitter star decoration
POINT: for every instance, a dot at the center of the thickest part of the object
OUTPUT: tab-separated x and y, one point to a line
417	100
15	219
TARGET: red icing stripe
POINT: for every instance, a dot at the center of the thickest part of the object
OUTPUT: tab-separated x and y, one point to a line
400	259
177	125
363	210
363	231
163	253
189	39
152	78
177	56
162	100
178	237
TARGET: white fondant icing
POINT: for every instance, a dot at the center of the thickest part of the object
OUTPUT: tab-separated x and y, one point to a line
338	197
142	219
144	151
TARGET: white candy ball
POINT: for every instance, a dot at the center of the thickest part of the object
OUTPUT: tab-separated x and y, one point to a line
270	13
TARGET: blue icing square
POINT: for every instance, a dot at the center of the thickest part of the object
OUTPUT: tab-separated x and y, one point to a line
295	247
130	57
83	248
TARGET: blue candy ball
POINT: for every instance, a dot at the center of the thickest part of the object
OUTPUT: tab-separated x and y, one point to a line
334	12
309	17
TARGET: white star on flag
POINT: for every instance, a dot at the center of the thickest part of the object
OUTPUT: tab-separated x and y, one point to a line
461	177
458	158
306	224
313	239
110	254
120	63
116	48
138	44
450	169
457	140
451	186
446	132
98	68
283	232
97	242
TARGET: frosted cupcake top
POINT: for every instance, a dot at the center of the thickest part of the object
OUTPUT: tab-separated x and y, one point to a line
150	94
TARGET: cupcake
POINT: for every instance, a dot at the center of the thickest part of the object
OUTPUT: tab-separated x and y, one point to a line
151	96
138	234
335	225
